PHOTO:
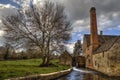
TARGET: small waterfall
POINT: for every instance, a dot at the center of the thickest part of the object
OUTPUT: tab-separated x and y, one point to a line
82	70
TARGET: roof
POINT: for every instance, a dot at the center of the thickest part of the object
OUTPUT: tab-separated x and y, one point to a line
102	38
65	53
107	45
106	42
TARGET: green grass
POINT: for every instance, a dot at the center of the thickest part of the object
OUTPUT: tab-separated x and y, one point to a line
11	69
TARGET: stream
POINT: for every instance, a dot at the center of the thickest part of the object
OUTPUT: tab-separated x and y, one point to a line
85	74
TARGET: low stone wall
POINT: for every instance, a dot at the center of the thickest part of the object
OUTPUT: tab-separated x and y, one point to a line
44	76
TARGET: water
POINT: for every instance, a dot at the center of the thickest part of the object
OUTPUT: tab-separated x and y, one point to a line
85	74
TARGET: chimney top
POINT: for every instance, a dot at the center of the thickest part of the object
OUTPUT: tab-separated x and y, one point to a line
92	8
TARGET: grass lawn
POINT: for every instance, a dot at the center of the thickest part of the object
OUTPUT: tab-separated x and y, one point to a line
10	69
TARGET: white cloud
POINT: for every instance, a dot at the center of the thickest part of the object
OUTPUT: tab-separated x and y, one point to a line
119	26
70	47
7	9
108	15
1	33
108	20
80	35
103	21
2	6
36	1
81	25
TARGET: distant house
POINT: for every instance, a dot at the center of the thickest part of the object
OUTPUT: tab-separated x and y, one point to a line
80	61
102	52
65	58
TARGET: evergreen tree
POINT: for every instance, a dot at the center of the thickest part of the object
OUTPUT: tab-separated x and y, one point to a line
77	48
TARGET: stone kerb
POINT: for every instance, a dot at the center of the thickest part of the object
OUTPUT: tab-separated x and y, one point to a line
43	76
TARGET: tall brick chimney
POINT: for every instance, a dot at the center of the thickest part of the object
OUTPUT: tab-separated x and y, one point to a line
93	29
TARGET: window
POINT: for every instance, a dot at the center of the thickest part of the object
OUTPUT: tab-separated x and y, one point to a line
98	66
89	61
95	63
103	54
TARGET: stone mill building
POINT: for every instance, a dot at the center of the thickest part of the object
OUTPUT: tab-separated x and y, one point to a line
102	52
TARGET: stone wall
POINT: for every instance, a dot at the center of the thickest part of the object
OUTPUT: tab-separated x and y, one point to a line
80	61
101	63
65	59
88	57
108	62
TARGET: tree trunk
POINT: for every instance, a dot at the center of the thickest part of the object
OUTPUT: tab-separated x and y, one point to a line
46	55
48	60
6	53
43	61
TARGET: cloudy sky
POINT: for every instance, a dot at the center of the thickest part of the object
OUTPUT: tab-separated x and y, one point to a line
108	15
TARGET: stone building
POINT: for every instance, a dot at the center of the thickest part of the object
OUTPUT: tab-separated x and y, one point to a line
80	61
102	52
65	58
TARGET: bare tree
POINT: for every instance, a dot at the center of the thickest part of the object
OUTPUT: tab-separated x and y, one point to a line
42	26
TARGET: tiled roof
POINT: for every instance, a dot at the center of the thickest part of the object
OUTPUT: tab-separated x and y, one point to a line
107	45
106	42
65	53
102	38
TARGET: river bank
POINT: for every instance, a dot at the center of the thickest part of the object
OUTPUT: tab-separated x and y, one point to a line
48	76
21	68
86	74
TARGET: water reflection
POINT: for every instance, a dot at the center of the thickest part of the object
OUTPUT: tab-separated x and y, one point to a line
84	74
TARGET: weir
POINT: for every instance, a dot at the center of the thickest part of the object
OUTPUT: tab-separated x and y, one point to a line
78	61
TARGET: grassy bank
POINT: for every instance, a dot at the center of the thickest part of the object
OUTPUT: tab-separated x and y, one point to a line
10	69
